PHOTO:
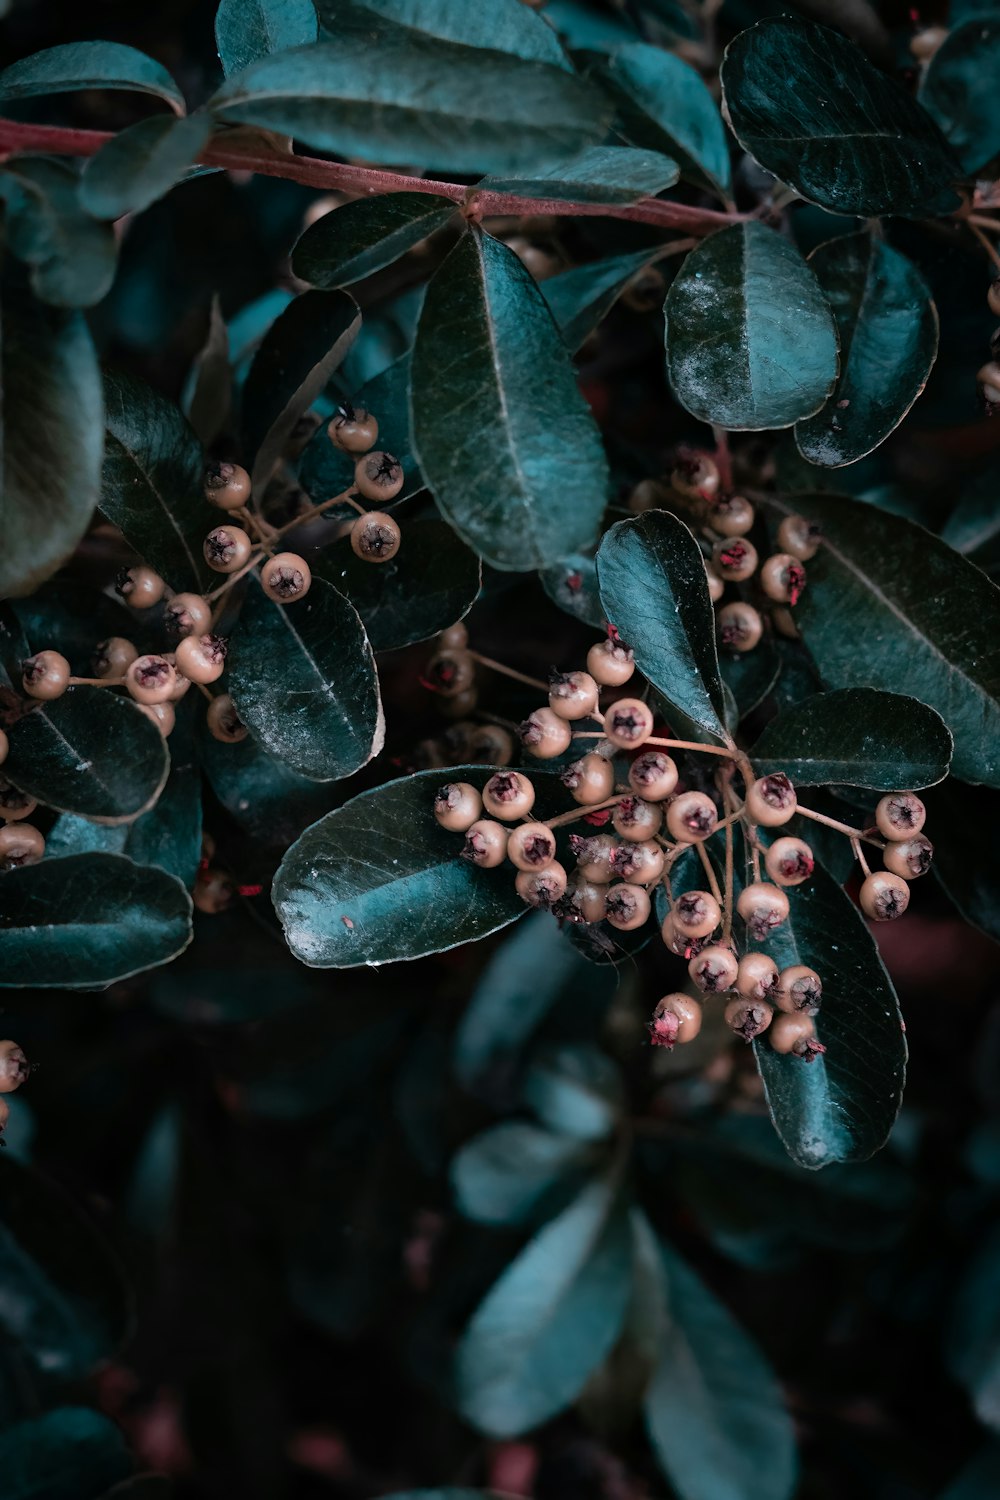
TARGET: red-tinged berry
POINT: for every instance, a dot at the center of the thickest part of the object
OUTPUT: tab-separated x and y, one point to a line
491	745
884	896
201	658
45	676
799	989
691	817
227	549
735	559
457	806
638	864
740	626
450	672
696	477
763	907
151	679
593	855
14	1067
783	577
14	804
653	775
213	892
508	795
909	858
696	914
900	815
678	941
610	662
636	820
748	1018
531	846
789	861
714	969
628	907
20	844
486	844
795	1035
586	900
589	780
113	657
186	614
771	800
455	637
676	1020
163	715
572	695
716	585
628	723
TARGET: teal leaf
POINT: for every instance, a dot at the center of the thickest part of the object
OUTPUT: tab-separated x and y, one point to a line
857	737
956	815
506	26
360	238
264	796
71	257
599	175
888	330
296	358
750	675
87	921
326	471
664	105
71	1453
142	163
572	585
246	30
152	482
655	592
922	622
580	299
973	528
809	107
751	342
71	617
208	390
169	835
491	376
575	1090
89	65
550	1319
958	91
53	417
512	1173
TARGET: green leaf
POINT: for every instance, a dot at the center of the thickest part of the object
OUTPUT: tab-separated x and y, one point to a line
71	1453
599	175
655	592
89	65
208	389
551	1318
326	471
152	482
751	341
91	753
303	680
857	737
365	236
572	585
72	618
973	528
378	879
89	920
581	299
432	582
296	358
809	107
141	164
506	26
265	797
72	258
512	1173
52	421
888	329
169	835
575	1090
956	816
750	675
922	622
714	1409
246	30
958	92
664	105
505	441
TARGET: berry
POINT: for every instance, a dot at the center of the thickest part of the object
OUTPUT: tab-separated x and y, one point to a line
378	476
508	795
799	537
213	891
691	817
14	1068
593	855
4	746
740	626
4	1115
989	381
14	804
924	44
541	888
900	815
800	989
677	941
648	494
757	976
909	858
763	907
884	896
161	714
457	806
544	735
748	1018
628	723
227	548
716	587
461	704
531	846
637	820
640	864
485	844
151	679
450	672
714	969
183	683
491	744
45	676
285	577
789	861
696	914
783	578
732	516
795	1034
227	486
224	723
589	780
695	477
140	587
610	662
676	1019
352	429
456	636
627	907
20	844
202	658
113	657
375	537
586	900
771	800
572	695
784	623
993	297
735	559
653	775
186	614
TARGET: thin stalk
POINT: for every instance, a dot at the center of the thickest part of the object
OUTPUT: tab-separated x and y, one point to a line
583	812
345	498
95	681
595	734
991	250
727	909
859	855
234	577
498	666
844	828
713	884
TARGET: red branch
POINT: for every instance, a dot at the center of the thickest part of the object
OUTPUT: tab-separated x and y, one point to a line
17	138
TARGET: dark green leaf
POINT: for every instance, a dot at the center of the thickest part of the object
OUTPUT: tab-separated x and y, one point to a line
71	1453
89	752
246	30
890	606
70	834
505	441
72	258
958	91
750	675
265	797
655	591
326	471
664	105
973	528
169	835
857	737
601	174
72	618
52	421
551	1318
506	26
584	28
956	816
751	341
152	482
208	389
304	682
572	584
432	581
512	1173
363	237
888	329
576	1091
141	163
89	920
298	354
89	65
809	107
580	299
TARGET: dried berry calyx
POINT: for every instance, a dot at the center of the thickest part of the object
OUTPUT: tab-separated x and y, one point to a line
771	800
676	1020
748	1018
375	537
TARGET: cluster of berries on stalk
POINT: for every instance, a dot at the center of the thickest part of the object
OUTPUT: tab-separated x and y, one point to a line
14	1070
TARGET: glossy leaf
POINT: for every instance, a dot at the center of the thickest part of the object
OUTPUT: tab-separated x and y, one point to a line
71	1453
152	482
169	835
432	582
52	419
360	238
503	28
264	796
89	920
246	30
572	584
303	680
512	1173
89	752
921	623
72	617
601	174
326	471
72	258
550	1319
141	163
89	65
296	358
888	331
958	91
751	342
664	105
750	675
655	591
809	107
857	737
580	299
491	376
574	1090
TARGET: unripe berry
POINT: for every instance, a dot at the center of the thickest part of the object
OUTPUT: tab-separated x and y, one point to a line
732	516
783	578
508	795
795	1035
691	817
461	704
227	548
900	815
201	658
456	636
45	675
213	891
784	623
799	989
375	537
160	714
486	844
676	1019
771	800
541	888
988	377
4	746
714	969
450	672
653	775
285	577
352	429
4	1115
491	744
884	896
531	846
677	941
909	858
113	657
639	864
789	861
224	723
926	42
648	494
589	780
378	476
183	684
587	901
140	587
763	907
186	614
735	560
544	735
696	914
14	1068
799	537
20	844
636	820
151	679
457	806
696	477
628	723
227	486
993	297
748	1018
757	976
593	855
716	586
14	804
628	907
572	695
740	626
610	662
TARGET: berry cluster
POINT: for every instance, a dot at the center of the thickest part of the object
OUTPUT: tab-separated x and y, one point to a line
14	1070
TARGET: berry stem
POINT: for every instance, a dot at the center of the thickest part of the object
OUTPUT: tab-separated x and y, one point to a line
346	497
95	681
257	527
584	812
498	666
595	734
723	461
845	828
709	872
727	906
234	578
991	250
859	855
